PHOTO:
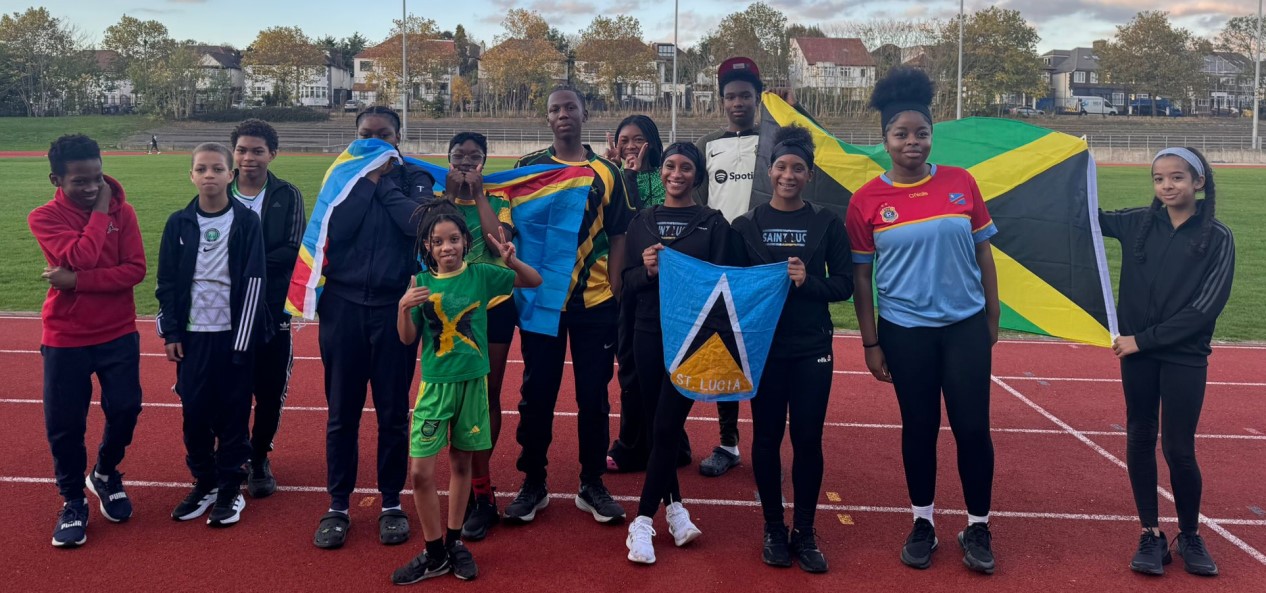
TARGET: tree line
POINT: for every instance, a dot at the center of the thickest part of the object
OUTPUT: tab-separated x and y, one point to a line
48	67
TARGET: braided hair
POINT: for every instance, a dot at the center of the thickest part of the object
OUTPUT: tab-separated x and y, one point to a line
431	214
1200	245
381	110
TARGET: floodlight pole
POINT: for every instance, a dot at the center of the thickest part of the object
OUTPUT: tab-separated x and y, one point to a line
1257	76
404	69
959	88
672	134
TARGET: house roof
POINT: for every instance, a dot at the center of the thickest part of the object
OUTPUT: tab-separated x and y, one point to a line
841	51
224	55
1240	61
106	59
1080	59
439	47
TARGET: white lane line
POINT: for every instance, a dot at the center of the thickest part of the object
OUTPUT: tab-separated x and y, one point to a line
720	502
869	425
1081	436
854	373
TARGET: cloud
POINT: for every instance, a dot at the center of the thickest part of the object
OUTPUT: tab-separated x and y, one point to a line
691	27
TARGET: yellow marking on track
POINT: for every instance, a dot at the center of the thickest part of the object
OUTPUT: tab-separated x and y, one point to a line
833	496
845	519
367	502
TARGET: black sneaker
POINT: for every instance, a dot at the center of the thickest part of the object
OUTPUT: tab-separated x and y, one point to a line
462	561
1152	555
71	529
594	499
261	483
1195	557
115	505
481	516
805	547
776	551
977	547
532	497
420	568
917	553
193	506
229	503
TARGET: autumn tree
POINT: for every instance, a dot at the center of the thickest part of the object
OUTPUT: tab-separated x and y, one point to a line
758	32
525	62
429	58
285	56
614	54
45	62
999	56
1239	35
143	48
1131	58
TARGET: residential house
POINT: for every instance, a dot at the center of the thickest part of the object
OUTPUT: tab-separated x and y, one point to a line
113	89
369	79
1230	83
559	69
223	80
833	65
329	86
1073	73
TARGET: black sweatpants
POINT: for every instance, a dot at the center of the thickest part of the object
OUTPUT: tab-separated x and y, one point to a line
801	386
273	362
593	334
67	395
215	398
1176	392
661	483
926	362
642	364
360	345
727	419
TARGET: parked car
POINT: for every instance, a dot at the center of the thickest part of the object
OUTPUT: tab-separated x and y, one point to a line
353	105
1162	106
1225	112
1023	111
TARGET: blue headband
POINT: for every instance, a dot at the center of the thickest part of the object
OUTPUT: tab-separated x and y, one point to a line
1183	154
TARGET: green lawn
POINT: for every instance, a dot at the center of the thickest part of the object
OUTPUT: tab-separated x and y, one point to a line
158	185
35	133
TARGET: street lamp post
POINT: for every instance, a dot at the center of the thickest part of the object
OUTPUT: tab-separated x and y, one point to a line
404	69
1257	76
958	112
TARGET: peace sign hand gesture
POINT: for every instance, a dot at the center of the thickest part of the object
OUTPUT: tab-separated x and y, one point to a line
503	246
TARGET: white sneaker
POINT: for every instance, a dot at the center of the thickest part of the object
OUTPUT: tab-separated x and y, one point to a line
641	548
680	526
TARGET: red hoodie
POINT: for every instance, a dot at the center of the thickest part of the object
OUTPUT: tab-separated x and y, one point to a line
108	258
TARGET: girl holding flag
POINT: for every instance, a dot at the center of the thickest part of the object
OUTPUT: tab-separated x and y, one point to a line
798	374
922	232
702	233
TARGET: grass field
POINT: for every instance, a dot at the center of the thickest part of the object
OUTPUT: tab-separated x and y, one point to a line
159	185
34	133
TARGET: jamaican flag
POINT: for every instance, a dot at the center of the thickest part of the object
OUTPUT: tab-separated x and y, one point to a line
1040	188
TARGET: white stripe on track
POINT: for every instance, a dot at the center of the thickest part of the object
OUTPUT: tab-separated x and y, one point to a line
870	425
719	502
1081	436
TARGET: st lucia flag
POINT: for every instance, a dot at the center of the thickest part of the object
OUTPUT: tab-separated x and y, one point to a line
547	205
1041	191
718	324
360	158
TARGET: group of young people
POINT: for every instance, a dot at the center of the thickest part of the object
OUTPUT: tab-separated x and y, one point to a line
417	270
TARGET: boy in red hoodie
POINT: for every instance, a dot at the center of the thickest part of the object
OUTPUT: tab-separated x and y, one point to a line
92	244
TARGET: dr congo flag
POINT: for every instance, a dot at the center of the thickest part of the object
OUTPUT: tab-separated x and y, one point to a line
1040	188
718	323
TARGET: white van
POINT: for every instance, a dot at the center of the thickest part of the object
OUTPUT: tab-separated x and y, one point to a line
1093	106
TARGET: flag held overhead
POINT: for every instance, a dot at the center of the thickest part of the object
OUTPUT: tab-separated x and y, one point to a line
718	324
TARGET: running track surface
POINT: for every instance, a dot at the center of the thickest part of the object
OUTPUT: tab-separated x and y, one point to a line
1063	515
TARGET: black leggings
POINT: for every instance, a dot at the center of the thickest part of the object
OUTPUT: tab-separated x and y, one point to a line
924	362
1152	386
665	410
803	386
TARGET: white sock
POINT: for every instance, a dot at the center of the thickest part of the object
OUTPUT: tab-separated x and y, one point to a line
344	511
395	508
924	512
973	519
98	475
732	450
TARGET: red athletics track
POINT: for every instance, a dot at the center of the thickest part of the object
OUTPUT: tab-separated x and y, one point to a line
1063	513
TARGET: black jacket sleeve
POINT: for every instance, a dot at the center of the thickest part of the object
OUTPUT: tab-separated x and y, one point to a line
1205	306
400	207
635	278
1117	223
837	284
254	307
281	258
169	327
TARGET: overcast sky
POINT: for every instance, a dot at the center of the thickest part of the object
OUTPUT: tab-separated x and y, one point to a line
1062	24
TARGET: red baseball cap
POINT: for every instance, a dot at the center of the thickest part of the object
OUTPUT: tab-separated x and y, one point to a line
738	68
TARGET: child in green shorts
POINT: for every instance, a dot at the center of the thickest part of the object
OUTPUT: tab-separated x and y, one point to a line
449	302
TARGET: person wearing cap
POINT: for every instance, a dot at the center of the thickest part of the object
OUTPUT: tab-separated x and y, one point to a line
730	161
